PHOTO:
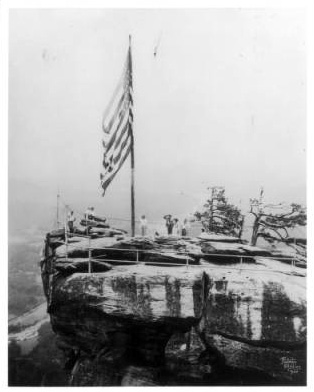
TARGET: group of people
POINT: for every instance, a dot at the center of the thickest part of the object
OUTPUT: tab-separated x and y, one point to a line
174	227
88	215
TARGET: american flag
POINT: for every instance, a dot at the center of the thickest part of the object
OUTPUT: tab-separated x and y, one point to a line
117	126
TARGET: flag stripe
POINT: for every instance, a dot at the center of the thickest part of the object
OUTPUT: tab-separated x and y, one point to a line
106	182
123	145
111	163
119	85
122	133
113	137
119	110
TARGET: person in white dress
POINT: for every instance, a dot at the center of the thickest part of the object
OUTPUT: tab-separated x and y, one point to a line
176	227
143	225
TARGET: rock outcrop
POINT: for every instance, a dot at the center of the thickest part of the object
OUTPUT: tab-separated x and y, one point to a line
204	324
125	318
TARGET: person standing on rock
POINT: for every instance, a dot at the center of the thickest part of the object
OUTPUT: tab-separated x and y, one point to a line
71	220
89	213
143	225
176	227
185	228
169	224
92	213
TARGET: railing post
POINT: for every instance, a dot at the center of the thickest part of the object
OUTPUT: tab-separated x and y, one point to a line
89	257
66	241
137	258
293	262
241	264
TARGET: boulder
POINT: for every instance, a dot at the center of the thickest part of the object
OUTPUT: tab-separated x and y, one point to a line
205	324
127	315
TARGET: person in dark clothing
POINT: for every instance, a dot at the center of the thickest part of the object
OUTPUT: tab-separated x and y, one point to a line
169	224
71	220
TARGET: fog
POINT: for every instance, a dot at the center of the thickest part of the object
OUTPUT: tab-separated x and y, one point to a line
222	103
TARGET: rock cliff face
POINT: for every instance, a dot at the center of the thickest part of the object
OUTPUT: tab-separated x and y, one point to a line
124	318
182	325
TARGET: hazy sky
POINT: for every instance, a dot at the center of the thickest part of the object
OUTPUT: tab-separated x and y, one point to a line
222	103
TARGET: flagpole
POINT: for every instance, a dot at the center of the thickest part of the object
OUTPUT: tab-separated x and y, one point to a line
132	159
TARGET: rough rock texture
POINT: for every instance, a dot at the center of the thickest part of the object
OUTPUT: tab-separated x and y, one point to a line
258	320
147	325
167	250
221	320
266	307
116	322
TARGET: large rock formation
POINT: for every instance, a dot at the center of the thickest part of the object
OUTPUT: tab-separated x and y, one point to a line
206	324
124	318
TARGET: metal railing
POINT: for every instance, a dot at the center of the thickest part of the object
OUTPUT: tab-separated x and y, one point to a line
178	252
